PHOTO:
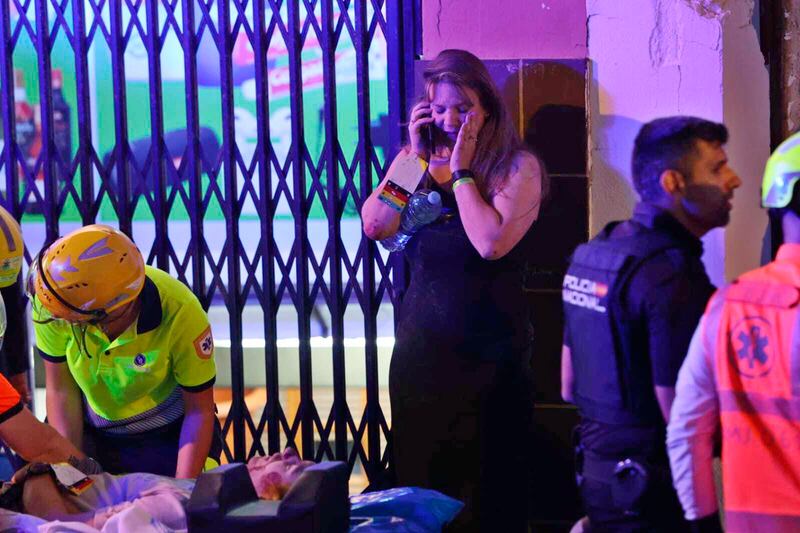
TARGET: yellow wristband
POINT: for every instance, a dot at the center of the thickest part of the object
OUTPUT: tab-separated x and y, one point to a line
462	181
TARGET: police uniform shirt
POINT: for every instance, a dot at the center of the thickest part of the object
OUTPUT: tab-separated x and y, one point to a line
666	297
133	383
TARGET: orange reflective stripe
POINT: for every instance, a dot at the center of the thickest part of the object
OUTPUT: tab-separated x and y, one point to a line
9	397
753	403
737	521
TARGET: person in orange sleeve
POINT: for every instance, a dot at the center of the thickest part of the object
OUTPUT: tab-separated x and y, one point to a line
27	436
21	431
14	362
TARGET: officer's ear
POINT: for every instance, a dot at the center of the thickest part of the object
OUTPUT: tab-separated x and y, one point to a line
672	181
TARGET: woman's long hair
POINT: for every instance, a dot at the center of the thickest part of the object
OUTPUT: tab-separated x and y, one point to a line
498	140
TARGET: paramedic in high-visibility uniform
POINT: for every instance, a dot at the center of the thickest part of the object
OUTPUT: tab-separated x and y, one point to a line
128	353
742	373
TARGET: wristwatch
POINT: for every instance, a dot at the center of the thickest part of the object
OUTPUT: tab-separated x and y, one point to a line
461	174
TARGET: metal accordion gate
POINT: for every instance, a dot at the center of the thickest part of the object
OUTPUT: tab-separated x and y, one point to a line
235	141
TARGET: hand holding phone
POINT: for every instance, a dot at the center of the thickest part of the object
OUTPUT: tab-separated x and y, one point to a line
419	129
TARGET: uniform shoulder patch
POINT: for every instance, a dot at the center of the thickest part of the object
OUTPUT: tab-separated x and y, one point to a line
204	344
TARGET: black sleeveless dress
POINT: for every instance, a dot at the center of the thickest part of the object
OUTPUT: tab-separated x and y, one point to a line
459	379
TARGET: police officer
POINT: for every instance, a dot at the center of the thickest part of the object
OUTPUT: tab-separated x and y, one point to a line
129	356
741	374
632	298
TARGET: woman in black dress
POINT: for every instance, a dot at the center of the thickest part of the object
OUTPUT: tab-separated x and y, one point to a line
459	377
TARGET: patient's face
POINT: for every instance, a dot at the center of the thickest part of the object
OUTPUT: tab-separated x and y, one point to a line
272	476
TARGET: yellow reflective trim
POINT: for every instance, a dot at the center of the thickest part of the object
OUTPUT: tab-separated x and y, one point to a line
210	464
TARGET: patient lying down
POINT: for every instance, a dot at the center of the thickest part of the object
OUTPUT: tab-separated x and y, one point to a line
122	503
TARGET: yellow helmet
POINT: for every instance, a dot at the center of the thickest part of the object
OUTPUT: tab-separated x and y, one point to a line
88	273
11	248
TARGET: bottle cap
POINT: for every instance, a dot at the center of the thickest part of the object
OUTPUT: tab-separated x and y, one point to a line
434	198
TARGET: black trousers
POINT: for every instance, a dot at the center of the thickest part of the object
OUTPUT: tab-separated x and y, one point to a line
469	439
659	510
154	452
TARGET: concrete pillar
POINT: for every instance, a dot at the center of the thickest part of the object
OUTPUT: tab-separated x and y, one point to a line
746	113
677	57
782	18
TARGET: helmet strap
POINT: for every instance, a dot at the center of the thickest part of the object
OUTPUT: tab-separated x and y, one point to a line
775	232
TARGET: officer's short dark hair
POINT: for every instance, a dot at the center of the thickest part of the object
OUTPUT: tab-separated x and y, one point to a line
669	143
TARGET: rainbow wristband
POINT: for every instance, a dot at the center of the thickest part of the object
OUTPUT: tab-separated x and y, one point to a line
462	181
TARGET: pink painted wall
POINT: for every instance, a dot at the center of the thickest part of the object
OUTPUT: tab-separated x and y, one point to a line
502	29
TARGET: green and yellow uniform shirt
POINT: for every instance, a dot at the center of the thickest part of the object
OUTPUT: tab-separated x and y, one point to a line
134	383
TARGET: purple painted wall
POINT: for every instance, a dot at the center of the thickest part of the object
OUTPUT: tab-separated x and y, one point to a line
502	29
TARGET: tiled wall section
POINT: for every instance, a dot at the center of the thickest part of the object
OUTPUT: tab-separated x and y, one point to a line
553	118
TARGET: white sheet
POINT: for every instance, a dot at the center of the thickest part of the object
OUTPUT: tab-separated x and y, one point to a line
138	502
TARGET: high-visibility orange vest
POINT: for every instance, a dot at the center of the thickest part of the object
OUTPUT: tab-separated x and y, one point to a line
758	382
9	400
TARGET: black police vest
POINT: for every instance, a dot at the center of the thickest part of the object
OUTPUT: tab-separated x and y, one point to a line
606	347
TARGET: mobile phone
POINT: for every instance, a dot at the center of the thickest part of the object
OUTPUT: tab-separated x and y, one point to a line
430	138
427	132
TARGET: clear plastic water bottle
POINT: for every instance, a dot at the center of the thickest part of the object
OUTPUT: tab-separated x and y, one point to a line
423	208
